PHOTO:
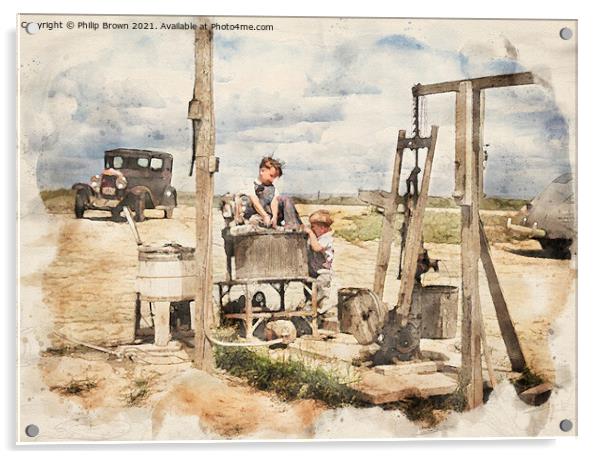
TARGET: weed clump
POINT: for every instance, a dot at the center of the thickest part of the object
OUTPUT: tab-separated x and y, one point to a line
76	387
138	393
289	379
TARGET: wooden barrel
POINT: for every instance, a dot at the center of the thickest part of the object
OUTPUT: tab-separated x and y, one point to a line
439	308
361	313
166	273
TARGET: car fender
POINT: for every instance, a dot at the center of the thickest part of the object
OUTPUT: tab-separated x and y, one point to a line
84	186
139	190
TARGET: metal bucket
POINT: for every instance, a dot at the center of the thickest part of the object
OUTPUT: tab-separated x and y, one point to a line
439	307
166	273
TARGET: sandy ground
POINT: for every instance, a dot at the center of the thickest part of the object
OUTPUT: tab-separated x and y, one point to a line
87	291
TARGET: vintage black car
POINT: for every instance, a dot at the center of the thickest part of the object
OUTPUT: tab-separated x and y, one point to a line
139	179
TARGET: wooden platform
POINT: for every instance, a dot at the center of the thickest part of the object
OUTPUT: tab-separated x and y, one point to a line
379	389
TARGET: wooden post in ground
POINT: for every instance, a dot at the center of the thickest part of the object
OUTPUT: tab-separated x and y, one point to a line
467	137
200	111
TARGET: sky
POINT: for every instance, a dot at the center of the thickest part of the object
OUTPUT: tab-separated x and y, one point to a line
327	96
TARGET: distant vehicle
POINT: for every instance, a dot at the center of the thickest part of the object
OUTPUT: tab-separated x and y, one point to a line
139	179
550	217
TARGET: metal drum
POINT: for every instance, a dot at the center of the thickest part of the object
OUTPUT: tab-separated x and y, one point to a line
439	307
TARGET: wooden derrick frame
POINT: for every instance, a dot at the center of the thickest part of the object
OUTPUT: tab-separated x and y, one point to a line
468	192
470	100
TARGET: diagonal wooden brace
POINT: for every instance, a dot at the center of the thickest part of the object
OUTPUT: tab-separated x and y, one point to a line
414	236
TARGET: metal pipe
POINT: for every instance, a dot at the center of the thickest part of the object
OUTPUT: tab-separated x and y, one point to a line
526	230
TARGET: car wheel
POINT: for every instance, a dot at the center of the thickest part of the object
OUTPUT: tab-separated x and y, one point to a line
169	213
558	248
139	207
80	204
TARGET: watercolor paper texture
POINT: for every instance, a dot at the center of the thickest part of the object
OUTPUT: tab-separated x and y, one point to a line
106	326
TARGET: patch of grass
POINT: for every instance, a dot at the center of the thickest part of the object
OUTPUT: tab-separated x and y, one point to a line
76	387
493	203
139	392
526	380
59	201
440	227
358	228
289	379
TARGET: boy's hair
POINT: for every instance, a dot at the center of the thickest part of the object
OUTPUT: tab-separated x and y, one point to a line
268	161
321	217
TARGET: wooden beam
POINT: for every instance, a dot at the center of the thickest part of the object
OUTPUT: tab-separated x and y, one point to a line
388	227
478	120
462	133
515	353
201	114
495	81
471	376
414	236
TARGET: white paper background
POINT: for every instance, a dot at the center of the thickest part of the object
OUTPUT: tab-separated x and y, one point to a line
588	161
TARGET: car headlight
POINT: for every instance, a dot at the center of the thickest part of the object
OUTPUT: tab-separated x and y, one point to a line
121	183
95	182
168	193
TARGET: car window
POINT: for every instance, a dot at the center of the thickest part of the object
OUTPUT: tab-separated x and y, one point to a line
142	162
117	162
156	164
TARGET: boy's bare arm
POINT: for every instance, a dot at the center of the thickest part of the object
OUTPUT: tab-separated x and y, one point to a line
274	207
260	210
313	241
258	207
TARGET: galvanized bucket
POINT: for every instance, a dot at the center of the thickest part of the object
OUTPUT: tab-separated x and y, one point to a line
439	305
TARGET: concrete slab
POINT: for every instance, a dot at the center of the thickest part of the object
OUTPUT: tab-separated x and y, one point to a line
340	347
407	368
378	389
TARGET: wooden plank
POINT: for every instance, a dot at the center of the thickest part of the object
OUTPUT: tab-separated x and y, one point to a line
495	81
414	236
407	368
380	389
388	227
471	377
201	114
478	120
515	353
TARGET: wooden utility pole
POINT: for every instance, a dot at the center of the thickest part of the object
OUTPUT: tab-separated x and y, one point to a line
200	111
